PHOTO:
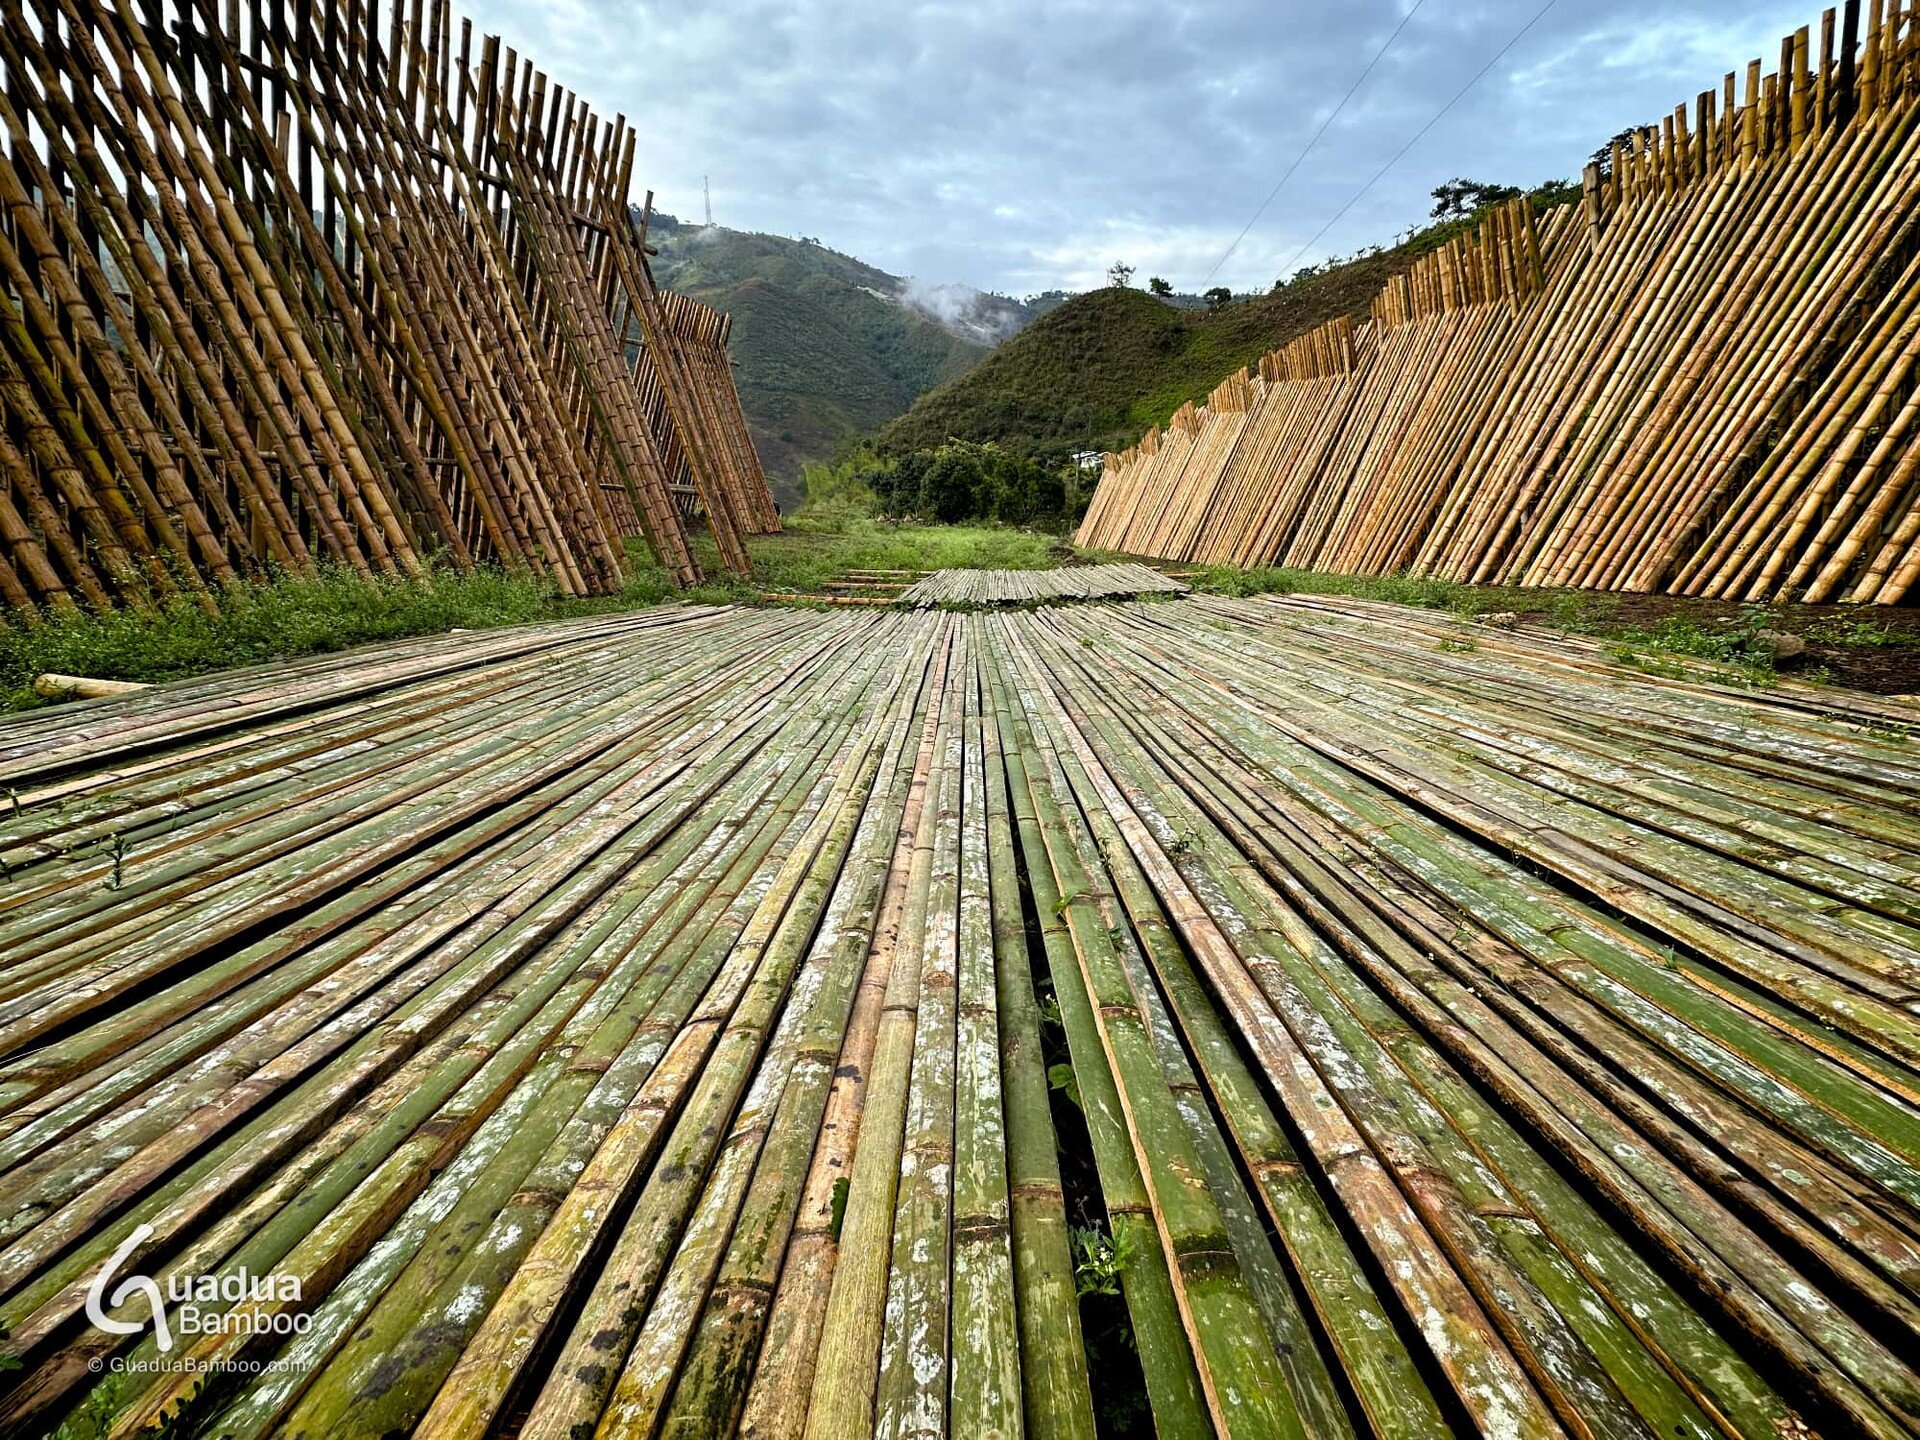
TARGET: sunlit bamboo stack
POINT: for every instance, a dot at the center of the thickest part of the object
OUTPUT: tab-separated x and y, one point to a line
712	1022
286	284
1699	379
969	588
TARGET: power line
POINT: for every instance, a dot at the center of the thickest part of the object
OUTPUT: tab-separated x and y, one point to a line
1351	91
1520	35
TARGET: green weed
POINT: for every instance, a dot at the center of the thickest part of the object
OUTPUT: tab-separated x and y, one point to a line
1062	1078
1098	1261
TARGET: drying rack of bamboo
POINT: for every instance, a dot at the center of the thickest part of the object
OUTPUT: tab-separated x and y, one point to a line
702	333
284	284
1699	379
967	588
644	1026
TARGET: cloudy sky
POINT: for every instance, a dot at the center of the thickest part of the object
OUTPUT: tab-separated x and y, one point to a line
1021	145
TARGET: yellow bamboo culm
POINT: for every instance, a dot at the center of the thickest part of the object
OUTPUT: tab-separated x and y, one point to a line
1698	378
287	285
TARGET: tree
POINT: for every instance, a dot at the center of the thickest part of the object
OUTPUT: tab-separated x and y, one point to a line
1460	197
1603	157
1160	287
1219	297
1549	193
1120	275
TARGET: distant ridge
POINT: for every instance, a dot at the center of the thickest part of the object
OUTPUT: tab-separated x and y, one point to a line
826	348
1101	368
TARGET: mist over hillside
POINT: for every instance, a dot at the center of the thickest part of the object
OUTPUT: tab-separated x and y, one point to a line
826	347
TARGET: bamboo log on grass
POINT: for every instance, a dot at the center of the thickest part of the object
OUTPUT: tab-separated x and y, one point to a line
1560	1371
1634	1165
655	1372
1053	1358
777	1402
1378	1366
452	1311
987	1381
916	1358
1466	1345
758	967
1304	1396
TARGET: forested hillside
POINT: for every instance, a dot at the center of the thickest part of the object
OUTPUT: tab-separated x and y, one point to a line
1102	367
1097	370
825	347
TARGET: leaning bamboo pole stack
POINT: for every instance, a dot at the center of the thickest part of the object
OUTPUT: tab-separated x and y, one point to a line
288	285
1699	378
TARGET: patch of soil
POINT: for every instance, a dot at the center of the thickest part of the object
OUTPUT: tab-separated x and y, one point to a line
1875	648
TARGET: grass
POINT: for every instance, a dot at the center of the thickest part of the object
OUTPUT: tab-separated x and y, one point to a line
1649	648
1660	648
1867	633
805	558
1571	610
292	616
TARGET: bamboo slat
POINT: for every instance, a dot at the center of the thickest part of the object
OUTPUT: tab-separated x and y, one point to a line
643	1026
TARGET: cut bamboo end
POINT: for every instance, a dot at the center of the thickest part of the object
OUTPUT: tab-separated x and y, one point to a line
51	686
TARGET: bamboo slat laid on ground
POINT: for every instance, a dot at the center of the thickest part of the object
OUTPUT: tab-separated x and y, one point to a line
1288	1017
1698	379
288	284
969	588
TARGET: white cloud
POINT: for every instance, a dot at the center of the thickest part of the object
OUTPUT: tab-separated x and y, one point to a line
1021	146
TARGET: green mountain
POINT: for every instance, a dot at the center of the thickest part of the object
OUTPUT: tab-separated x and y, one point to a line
1099	369
826	348
1093	372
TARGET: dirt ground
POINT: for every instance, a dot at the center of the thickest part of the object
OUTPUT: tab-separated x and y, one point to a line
1875	648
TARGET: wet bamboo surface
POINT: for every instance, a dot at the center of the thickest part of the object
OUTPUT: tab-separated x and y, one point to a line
284	284
640	1026
971	588
1699	379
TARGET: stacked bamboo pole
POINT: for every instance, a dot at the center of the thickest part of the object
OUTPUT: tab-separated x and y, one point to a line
703	333
287	285
640	1027
1698	379
966	589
